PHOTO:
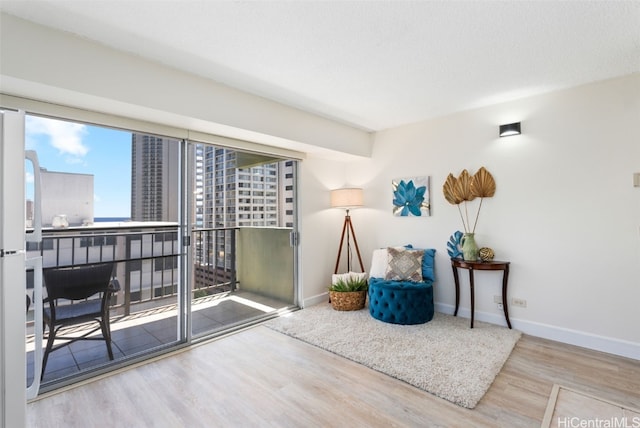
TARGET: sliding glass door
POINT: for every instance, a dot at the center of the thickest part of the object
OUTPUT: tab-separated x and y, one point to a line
201	237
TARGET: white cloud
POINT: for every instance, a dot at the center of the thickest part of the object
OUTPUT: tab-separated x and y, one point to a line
64	136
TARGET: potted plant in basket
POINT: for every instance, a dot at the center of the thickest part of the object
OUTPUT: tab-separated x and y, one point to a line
348	294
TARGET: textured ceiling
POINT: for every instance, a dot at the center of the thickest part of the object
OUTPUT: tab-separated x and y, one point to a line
372	64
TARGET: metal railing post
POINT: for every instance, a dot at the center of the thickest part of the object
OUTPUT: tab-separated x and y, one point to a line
233	259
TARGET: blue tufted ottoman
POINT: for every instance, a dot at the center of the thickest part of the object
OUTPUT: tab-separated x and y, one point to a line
401	302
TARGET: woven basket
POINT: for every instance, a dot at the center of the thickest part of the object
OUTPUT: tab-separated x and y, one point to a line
347	300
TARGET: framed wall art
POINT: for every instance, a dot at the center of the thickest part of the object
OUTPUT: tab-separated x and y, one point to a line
411	197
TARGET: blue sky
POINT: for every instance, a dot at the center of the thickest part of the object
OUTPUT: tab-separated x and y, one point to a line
87	149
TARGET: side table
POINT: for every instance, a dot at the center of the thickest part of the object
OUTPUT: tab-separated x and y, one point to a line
478	265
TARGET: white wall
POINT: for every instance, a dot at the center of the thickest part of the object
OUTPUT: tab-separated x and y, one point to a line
565	212
319	227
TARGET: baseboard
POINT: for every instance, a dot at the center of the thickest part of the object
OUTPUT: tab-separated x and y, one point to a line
314	300
559	334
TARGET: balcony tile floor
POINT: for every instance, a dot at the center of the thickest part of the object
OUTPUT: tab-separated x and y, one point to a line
155	328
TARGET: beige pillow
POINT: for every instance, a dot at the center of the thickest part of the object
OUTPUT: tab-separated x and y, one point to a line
404	265
379	262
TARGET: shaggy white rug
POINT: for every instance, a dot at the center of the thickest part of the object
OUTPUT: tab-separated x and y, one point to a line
444	356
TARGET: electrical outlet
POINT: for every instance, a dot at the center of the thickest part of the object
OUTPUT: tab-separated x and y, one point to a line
519	302
497	299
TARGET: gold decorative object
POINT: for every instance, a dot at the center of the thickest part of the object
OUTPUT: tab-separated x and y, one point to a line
483	185
465	189
449	190
486	254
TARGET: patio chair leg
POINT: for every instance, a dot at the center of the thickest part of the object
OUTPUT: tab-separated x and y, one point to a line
107	337
45	358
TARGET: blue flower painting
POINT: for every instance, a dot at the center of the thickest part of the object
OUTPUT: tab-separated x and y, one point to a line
411	197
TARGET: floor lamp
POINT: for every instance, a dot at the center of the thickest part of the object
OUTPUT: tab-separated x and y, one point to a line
347	199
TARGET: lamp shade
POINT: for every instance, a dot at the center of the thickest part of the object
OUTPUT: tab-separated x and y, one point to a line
346	198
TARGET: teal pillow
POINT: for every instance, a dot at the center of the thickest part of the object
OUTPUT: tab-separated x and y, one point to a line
428	263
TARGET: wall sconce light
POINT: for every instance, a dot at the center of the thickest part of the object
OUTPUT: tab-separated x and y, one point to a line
510	129
347	199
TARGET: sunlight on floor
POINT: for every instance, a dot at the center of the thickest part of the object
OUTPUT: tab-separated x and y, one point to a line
252	304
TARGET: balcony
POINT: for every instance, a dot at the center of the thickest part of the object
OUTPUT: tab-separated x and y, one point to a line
227	286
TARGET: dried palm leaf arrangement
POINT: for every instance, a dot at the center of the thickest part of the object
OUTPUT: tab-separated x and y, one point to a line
465	188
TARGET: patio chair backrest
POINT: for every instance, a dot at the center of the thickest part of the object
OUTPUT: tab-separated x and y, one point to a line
77	282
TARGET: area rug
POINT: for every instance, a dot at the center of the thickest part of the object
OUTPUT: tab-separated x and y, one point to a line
444	356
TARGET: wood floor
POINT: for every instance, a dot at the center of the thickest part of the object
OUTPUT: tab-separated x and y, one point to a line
261	378
566	403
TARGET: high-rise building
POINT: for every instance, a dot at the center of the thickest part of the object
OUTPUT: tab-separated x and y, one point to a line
230	189
241	190
286	196
198	185
66	194
155	172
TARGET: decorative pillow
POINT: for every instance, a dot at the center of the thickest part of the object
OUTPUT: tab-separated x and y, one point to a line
347	276
378	263
428	264
404	265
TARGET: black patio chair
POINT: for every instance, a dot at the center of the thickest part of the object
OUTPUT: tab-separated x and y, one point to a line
76	295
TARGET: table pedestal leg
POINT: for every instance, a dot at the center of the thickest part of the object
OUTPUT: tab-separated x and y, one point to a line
505	277
472	294
457	283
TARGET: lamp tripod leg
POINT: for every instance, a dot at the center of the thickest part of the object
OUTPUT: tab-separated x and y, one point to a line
355	243
344	229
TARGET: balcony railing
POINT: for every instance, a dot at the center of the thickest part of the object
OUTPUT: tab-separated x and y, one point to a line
147	258
214	258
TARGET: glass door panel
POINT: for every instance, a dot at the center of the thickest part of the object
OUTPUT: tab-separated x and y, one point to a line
243	221
108	196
